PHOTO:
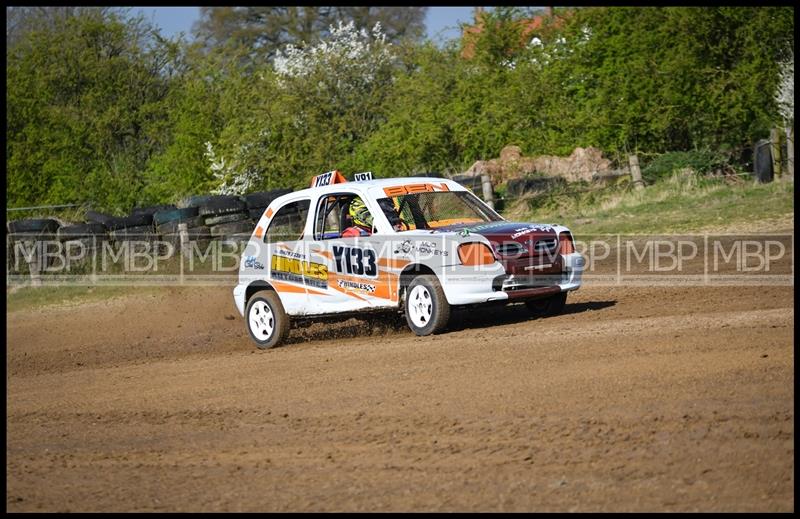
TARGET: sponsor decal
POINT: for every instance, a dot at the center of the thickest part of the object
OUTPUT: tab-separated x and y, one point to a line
423	247
250	262
410	189
291	269
533	228
352	285
355	261
290	253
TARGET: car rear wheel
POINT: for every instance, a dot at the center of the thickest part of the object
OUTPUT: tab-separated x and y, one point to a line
266	319
427	310
548	306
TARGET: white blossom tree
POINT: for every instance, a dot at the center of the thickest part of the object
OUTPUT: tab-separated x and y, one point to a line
785	94
329	93
234	178
784	97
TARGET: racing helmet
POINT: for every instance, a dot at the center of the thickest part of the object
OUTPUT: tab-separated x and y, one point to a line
360	214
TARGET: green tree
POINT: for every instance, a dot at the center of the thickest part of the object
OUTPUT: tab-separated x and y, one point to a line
81	97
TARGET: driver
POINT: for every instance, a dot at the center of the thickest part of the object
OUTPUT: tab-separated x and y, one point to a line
362	219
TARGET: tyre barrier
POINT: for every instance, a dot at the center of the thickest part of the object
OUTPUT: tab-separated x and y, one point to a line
222	205
138	233
256	214
84	230
264	198
119	222
43	226
227	218
172	226
153	209
226	229
162	217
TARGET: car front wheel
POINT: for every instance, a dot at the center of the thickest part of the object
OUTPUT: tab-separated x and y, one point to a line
427	310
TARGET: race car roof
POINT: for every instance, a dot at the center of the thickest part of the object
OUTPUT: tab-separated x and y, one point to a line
377	188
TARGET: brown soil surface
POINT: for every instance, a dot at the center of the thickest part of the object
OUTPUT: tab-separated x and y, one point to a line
635	399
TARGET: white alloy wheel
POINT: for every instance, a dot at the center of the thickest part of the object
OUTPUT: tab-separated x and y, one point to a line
420	306
261	320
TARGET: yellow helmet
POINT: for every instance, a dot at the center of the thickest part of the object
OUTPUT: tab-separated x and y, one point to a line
360	214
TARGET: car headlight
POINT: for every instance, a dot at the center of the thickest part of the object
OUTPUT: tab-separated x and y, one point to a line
475	253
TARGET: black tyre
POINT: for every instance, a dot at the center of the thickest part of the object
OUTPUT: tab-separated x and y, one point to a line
257	213
162	217
222	205
172	226
86	230
226	218
102	218
144	232
264	198
197	201
119	222
226	229
153	209
552	305
266	320
426	308
33	226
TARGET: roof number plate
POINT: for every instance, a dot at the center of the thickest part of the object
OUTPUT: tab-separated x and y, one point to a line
360	177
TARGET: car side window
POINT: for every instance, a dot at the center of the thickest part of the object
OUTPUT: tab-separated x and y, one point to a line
288	223
333	216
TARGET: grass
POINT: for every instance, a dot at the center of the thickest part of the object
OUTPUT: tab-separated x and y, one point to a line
26	298
685	202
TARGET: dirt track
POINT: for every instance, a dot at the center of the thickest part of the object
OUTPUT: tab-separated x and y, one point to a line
666	399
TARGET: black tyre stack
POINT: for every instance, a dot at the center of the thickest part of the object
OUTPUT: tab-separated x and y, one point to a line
226	217
136	230
257	203
28	239
167	223
87	236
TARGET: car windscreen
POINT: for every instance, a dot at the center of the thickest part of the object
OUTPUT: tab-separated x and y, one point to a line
435	209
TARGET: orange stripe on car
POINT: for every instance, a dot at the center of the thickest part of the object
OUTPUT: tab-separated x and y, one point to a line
285	287
259	232
385	285
393	263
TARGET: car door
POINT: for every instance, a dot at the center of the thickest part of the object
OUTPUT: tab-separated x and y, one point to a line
355	281
285	257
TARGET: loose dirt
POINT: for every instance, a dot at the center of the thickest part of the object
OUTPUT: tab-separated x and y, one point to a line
635	399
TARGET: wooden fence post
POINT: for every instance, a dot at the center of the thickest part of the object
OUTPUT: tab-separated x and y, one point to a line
35	265
636	173
775	143
488	194
184	234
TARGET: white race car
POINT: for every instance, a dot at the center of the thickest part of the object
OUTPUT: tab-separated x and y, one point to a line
417	245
